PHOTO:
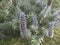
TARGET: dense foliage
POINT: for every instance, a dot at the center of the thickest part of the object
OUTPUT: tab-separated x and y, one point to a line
10	11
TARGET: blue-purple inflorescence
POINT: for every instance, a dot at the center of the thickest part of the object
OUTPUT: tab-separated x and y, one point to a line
35	21
22	22
24	32
51	30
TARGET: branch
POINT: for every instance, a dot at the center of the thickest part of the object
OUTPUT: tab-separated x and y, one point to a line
55	13
49	2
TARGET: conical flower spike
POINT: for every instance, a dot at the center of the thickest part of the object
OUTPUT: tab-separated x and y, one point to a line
51	30
24	32
22	22
35	21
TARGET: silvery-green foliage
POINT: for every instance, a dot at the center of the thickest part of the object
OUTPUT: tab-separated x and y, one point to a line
34	29
4	26
45	2
40	3
56	5
14	24
43	10
32	2
29	18
46	12
45	31
57	23
26	34
36	40
56	13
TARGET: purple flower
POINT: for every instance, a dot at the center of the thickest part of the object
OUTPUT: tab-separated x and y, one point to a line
35	21
51	30
22	22
24	32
